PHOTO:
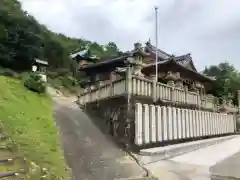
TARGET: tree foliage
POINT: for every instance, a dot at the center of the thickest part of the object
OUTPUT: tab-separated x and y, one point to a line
227	79
22	39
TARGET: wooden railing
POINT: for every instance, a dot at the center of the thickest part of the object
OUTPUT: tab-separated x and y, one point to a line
144	87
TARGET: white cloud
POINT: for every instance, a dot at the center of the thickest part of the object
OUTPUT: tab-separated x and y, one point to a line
210	30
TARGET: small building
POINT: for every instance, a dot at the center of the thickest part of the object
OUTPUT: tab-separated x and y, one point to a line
40	66
83	57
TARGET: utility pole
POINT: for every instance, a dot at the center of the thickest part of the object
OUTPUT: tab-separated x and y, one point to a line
156	38
154	93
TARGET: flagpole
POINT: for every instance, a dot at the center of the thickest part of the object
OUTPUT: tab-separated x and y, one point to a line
156	38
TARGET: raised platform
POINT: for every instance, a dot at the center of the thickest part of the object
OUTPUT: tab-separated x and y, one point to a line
151	155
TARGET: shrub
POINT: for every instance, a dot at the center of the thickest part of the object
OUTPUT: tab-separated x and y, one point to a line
62	72
52	74
9	73
35	83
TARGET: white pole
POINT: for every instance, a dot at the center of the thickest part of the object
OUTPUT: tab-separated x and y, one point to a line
156	28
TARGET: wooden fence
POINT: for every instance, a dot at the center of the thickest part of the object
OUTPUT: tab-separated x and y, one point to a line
159	123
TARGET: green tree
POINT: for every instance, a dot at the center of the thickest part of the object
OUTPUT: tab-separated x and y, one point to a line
227	79
22	39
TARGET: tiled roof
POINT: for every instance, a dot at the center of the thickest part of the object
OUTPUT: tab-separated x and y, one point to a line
185	60
152	49
152	65
39	61
111	59
83	53
106	61
80	53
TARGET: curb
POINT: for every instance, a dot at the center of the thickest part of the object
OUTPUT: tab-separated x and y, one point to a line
152	155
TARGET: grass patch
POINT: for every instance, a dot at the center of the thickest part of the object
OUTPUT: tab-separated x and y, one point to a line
27	118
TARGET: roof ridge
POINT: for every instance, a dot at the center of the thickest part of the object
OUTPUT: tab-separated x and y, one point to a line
153	47
184	55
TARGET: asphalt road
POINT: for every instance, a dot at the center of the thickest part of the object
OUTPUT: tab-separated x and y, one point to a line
91	154
228	168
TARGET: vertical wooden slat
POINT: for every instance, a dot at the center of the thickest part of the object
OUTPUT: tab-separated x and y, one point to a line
165	123
146	123
190	119
214	124
152	124
200	123
175	123
180	123
184	124
197	124
138	124
194	120
170	123
159	124
187	123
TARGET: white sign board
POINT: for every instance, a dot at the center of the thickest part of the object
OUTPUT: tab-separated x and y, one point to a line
34	68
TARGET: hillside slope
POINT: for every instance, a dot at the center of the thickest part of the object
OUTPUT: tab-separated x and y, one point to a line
27	119
23	38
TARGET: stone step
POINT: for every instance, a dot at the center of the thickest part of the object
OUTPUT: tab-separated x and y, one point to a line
11	174
10	160
4	147
6	154
160	153
3	137
6	160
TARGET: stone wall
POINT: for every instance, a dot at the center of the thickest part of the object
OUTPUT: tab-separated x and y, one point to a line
113	112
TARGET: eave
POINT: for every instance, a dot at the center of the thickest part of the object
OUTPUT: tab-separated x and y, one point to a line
178	66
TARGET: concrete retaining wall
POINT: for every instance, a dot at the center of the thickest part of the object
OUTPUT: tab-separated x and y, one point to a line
155	124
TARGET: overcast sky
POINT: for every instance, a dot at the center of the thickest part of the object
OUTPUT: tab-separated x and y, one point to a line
208	29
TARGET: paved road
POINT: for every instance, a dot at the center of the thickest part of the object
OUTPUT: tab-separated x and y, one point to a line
216	162
222	159
230	167
211	155
92	155
89	152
